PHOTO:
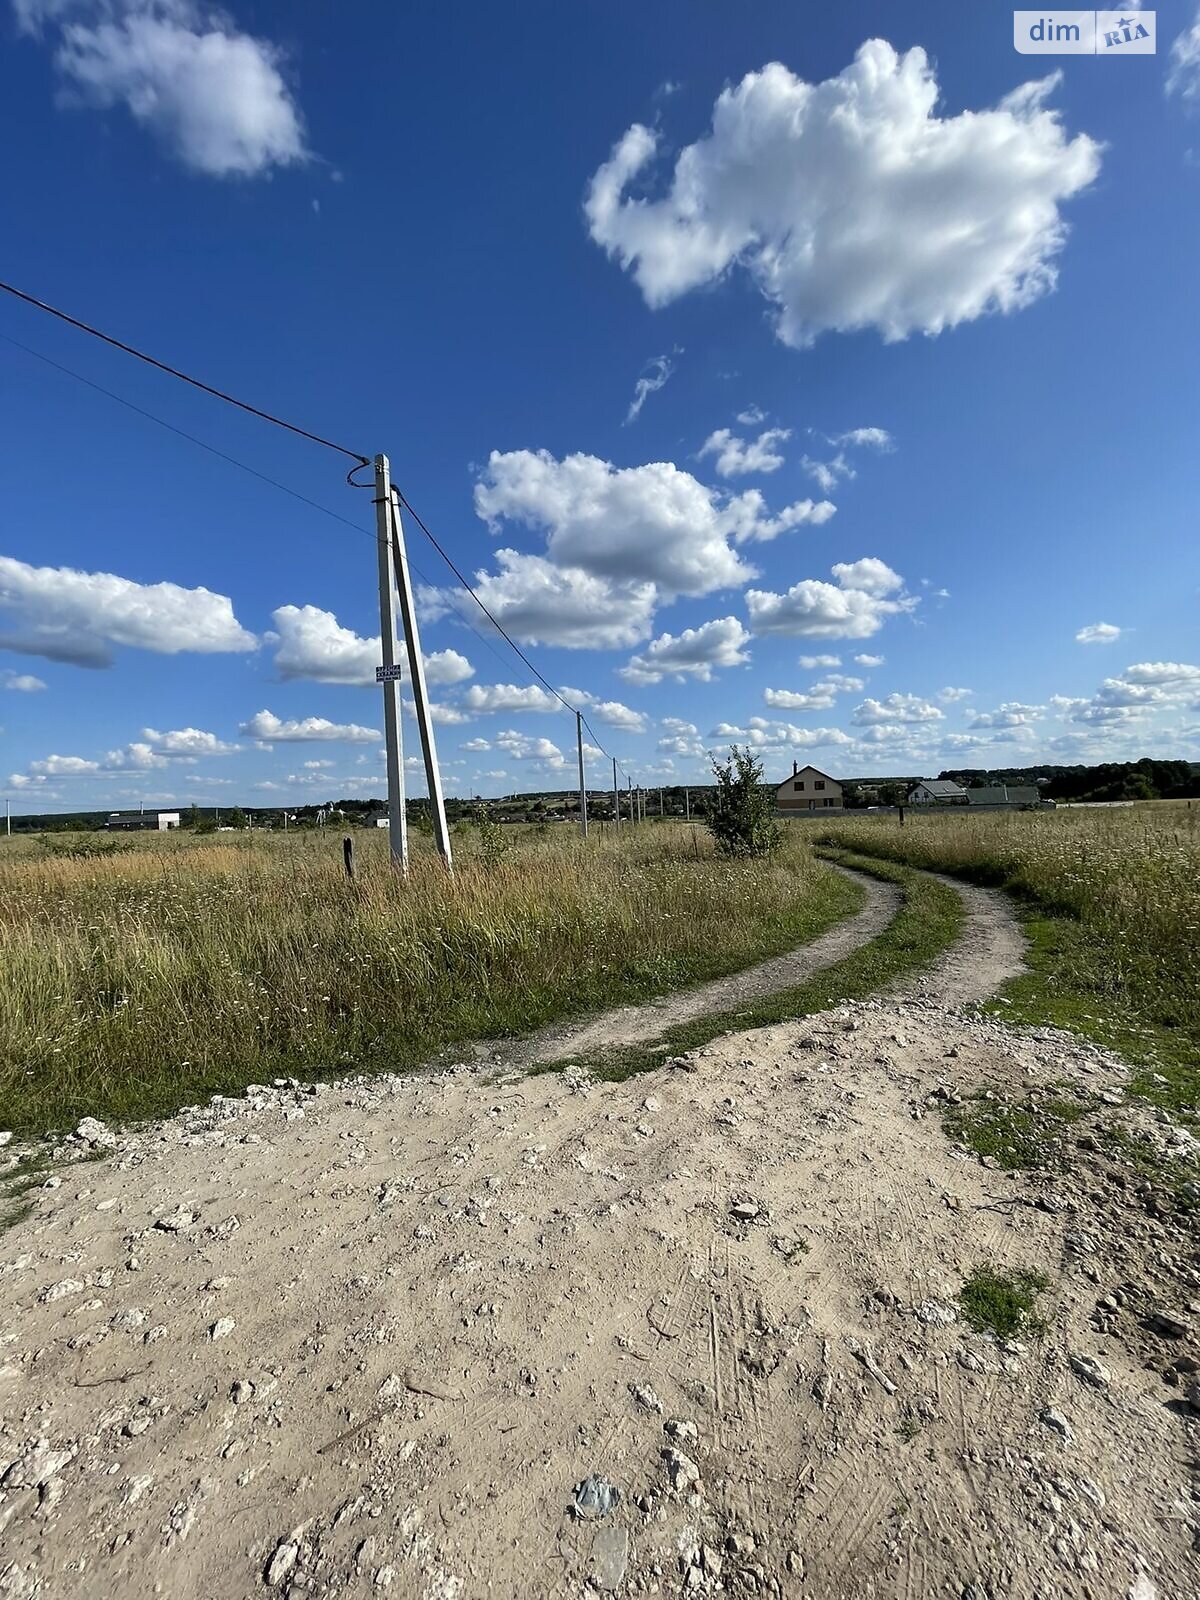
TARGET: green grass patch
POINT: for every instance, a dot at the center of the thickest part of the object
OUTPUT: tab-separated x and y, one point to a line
929	921
1002	1303
1019	1135
1110	903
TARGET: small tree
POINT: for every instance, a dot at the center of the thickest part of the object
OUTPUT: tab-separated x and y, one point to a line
236	818
741	813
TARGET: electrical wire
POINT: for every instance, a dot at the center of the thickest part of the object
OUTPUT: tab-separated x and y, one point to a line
499	627
184	377
360	461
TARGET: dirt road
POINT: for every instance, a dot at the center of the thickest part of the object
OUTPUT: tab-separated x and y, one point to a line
371	1339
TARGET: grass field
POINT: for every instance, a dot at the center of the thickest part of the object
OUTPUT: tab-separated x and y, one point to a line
1111	900
141	979
928	923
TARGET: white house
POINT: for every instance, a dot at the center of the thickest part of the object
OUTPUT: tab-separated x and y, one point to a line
937	792
142	821
808	789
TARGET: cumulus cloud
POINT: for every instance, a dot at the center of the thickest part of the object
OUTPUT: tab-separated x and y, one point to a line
737	456
866	439
866	593
862	661
765	734
186	742
950	695
816	663
20	682
266	727
1012	714
62	767
850	202
521	747
77	617
894	710
312	644
819	698
827	474
1098	633
695	653
651	524
509	697
655	374
540	602
611	712
215	97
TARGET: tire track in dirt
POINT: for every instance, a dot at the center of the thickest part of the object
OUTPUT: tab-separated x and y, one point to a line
633	1024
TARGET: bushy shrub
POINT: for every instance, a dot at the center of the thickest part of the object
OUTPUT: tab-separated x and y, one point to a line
741	815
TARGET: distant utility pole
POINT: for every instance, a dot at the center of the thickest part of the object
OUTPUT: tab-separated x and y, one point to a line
632	818
582	788
416	674
616	796
8	812
389	673
687	805
661	812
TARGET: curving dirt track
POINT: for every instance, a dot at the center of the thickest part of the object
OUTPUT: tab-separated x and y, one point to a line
368	1340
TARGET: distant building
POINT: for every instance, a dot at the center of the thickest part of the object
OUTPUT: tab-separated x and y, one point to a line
142	821
1008	794
808	789
937	792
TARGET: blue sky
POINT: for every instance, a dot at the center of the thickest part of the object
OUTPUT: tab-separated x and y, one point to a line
825	381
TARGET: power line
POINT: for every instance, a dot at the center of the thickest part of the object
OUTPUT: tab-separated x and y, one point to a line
499	627
274	482
184	377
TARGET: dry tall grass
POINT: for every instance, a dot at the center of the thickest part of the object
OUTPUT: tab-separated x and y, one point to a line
1129	878
138	980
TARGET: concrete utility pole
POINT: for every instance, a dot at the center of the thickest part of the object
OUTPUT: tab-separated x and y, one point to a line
661	812
582	788
416	674
632	818
616	796
8	811
687	805
390	671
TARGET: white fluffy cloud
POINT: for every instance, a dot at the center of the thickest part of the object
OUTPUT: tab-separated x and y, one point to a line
950	695
737	456
850	202
540	602
186	742
651	524
866	593
765	734
816	663
895	709
695	653
521	747
63	767
827	474
266	727
214	96
20	682
311	643
1098	633
509	697
77	617
818	698
862	661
